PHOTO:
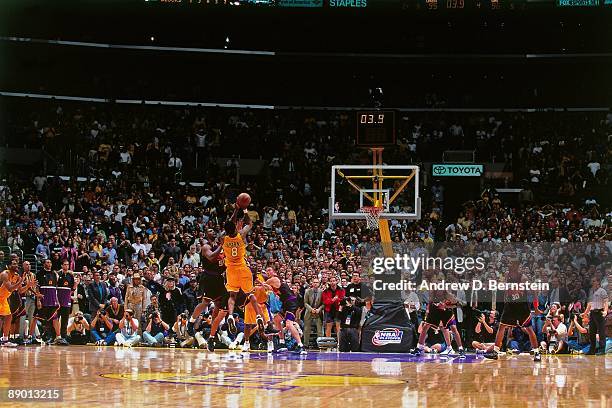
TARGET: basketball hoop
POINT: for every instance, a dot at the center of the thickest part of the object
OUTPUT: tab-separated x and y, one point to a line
372	215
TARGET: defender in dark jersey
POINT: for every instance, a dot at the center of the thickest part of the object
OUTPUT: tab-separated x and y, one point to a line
287	314
516	313
440	315
211	286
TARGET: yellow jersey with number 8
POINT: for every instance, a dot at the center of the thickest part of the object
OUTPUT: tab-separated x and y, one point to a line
234	250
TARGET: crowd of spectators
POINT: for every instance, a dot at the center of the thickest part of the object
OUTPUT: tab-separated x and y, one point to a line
133	240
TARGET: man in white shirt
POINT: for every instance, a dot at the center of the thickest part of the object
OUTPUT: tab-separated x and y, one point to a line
138	245
175	163
557	335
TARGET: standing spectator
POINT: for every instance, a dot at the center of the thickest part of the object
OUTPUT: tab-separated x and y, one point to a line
191	296
360	292
171	251
557	293
97	293
109	254
137	296
331	299
350	316
138	246
15	242
314	311
170	301
55	246
79	296
42	250
69	253
598	306
125	250
113	288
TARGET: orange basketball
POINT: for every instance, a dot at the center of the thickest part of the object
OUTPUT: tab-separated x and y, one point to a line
243	200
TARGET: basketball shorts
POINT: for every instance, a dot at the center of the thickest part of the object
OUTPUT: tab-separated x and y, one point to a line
332	316
239	277
440	317
289	310
5	309
213	287
516	314
47	313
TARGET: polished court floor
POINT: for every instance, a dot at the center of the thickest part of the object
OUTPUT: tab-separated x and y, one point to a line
102	377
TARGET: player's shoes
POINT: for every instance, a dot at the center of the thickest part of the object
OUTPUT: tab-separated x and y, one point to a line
537	356
478	351
232	345
282	347
417	352
491	355
246	347
270	346
8	343
231	325
462	353
210	344
448	352
60	341
300	350
261	328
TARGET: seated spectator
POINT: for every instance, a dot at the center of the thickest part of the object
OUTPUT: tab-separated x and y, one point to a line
578	334
180	331
556	333
485	329
229	340
114	311
156	331
102	328
77	331
128	327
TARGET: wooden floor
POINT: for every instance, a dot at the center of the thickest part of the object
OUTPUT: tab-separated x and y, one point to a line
110	376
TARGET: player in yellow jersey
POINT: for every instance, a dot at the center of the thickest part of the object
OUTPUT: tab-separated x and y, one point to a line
238	274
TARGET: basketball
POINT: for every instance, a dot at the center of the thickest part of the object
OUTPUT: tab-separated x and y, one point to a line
243	200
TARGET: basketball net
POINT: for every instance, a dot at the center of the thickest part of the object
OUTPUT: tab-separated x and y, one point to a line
372	215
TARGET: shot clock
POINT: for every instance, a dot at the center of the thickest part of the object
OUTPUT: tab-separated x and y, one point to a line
375	128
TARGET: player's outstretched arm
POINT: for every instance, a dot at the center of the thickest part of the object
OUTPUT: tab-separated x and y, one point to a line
249	224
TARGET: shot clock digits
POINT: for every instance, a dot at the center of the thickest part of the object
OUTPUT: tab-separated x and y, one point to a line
375	128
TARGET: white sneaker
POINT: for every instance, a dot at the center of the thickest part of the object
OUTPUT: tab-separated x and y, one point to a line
246	346
447	352
270	346
232	345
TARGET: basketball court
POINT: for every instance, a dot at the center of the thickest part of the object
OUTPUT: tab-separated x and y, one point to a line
175	377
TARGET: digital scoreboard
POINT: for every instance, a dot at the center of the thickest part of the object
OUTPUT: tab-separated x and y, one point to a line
375	128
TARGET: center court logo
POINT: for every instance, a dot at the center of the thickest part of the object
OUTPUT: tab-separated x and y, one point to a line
387	336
